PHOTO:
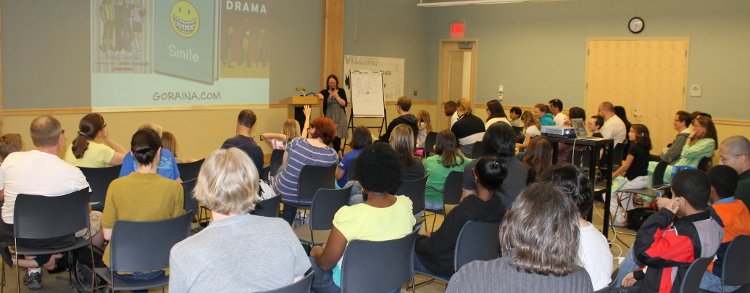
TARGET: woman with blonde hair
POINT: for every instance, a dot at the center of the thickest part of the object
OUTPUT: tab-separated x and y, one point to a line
402	141
84	151
278	141
539	239
228	185
531	128
469	128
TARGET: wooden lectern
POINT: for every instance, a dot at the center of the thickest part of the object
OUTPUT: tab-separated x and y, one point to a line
294	107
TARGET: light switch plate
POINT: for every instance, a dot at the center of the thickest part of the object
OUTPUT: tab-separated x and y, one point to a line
695	90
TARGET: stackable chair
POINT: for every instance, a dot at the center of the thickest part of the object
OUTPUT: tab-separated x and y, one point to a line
414	190
277	158
268	207
612	284
189	171
736	271
301	286
312	178
377	266
692	281
99	180
325	204
429	143
452	191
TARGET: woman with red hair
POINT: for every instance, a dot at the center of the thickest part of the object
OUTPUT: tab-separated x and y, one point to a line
301	151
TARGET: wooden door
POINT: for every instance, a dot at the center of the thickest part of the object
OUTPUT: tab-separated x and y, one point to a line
646	76
456	76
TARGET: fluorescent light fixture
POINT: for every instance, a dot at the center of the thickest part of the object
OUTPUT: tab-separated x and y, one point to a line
468	2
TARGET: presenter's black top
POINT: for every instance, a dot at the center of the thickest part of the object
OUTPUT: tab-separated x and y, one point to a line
326	94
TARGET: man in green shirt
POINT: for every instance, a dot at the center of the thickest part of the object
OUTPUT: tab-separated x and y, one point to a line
733	152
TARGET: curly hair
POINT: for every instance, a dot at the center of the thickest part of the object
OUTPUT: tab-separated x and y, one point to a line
378	168
642	136
9	143
324	129
540	232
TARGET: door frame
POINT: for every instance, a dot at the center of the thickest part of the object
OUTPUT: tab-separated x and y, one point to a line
443	77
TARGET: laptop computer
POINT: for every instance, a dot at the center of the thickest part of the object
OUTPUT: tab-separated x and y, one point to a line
580	128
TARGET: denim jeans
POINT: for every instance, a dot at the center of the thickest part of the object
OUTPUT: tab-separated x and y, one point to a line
711	282
433	205
140	276
323	280
628	265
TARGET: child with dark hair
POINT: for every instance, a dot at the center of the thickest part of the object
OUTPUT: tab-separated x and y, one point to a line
731	214
381	217
447	159
434	252
361	138
634	169
595	125
515	115
665	247
538	158
593	249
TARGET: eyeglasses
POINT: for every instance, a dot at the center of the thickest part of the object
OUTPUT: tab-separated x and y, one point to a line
724	159
62	131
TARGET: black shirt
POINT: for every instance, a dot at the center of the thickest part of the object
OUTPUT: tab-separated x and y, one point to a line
639	166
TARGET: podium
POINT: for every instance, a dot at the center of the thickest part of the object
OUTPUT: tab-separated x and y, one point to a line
294	107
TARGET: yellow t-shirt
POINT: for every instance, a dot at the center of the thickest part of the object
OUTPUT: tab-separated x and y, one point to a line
97	155
365	222
141	197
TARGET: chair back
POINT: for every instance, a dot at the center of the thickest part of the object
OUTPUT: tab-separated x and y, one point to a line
736	271
518	130
477	150
145	246
350	172
189	171
268	207
301	286
477	241
325	204
705	164
312	178
377	266
658	176
38	216
277	157
692	279
612	283
190	203
429	143
452	188
99	180
617	155
414	190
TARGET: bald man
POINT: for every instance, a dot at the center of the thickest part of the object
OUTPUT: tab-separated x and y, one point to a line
613	126
733	152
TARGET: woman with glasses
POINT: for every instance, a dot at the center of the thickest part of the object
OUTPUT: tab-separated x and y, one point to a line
86	152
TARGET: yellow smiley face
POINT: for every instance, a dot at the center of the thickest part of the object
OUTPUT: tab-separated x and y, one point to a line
185	19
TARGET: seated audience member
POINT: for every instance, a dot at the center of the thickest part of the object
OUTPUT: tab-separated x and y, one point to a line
265	250
402	141
564	149
700	144
244	138
434	251
84	151
595	124
167	165
381	217
622	114
495	113
169	141
734	152
468	129
142	196
301	151
555	108
39	171
10	143
515	115
542	113
531	128
613	127
575	113
290	129
447	159
423	120
539	238
593	249
538	158
697	114
731	214
402	107
665	246
499	141
449	108
634	169
671	153
361	138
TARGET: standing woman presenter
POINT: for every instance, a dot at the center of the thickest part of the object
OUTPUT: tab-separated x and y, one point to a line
334	104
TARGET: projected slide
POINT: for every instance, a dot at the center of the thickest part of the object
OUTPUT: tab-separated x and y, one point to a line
149	53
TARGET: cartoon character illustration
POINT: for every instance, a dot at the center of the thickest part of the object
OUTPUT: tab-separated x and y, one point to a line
228	61
137	14
107	15
261	59
185	19
246	48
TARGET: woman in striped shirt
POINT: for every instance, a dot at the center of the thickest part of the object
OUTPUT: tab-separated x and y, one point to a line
313	151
